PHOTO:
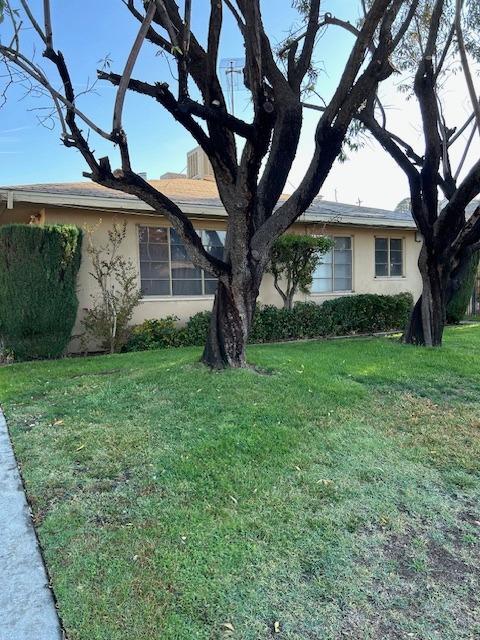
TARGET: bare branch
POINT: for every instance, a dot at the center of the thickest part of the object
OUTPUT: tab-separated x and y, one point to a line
236	15
465	152
48	24
183	64
127	73
37	75
464	60
34	23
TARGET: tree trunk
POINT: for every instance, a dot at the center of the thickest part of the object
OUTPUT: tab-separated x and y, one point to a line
232	318
289	299
428	317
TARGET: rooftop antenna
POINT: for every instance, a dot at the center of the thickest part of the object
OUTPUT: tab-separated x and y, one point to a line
233	70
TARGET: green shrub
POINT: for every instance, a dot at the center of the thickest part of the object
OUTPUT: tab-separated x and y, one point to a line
38	299
365	313
154	334
368	313
457	307
311	320
272	324
195	332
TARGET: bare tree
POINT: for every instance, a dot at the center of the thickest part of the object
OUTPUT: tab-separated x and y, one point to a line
251	178
432	50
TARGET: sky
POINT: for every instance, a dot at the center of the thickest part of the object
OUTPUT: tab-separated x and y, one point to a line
89	31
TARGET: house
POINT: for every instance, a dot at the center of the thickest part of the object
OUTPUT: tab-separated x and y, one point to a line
375	251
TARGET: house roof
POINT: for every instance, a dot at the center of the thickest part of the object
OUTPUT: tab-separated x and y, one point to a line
198	197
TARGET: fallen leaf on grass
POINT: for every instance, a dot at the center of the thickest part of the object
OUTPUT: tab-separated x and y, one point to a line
228	626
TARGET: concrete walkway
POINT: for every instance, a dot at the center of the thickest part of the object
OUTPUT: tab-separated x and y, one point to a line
27	610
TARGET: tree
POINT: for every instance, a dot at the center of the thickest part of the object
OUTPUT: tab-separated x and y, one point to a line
404	206
438	42
293	260
250	179
458	304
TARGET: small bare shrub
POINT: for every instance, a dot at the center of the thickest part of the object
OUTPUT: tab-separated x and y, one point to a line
118	294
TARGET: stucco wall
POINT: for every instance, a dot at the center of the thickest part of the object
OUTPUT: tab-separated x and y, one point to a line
364	280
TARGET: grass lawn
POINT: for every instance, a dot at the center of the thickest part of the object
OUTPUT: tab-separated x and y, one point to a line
337	497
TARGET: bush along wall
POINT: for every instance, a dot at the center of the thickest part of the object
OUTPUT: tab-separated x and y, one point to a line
348	315
38	279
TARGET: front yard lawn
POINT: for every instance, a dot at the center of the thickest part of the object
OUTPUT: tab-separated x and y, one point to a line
336	497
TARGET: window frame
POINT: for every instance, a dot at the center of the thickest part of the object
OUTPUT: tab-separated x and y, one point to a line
389	276
171	295
336	292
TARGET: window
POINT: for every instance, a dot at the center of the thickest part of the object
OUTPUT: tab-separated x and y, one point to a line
388	257
335	272
166	269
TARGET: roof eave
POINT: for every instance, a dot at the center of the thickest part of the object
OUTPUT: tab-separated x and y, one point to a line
137	207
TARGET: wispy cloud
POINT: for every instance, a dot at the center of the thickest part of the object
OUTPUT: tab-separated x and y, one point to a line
7	132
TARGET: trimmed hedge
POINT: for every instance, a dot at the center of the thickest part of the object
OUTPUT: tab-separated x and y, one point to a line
38	279
348	315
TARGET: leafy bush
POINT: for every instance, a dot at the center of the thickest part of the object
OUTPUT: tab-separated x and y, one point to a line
368	313
458	305
154	334
272	324
196	330
364	313
38	298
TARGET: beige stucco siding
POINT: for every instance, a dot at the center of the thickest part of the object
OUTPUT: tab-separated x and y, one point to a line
363	260
182	307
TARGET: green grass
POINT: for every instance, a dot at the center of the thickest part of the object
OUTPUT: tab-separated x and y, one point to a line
337	496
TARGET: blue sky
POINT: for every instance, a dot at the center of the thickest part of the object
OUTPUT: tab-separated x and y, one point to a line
89	30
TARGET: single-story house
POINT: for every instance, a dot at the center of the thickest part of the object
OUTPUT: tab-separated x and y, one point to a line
375	251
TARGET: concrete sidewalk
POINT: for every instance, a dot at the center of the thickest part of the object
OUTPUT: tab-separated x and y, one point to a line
27	610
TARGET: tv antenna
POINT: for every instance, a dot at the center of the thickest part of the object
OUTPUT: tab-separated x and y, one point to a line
233	70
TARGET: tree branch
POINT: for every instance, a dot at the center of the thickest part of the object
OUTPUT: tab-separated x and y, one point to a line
464	60
117	128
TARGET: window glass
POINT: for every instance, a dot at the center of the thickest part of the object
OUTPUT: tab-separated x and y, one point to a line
187	287
388	257
210	286
155	270
166	269
158	252
155	287
335	272
157	234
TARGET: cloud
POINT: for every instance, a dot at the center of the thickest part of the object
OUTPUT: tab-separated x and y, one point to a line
7	132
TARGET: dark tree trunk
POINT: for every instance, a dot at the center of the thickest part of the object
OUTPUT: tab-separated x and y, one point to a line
428	317
232	317
288	304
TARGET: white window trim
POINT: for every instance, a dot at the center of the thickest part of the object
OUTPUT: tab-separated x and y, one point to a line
404	260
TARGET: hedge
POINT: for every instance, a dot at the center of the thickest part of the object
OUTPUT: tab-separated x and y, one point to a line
348	315
38	298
